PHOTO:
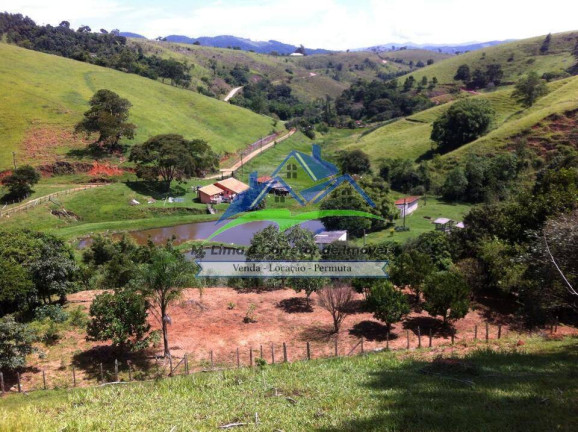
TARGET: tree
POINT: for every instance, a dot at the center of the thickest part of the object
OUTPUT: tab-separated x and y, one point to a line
345	198
411	268
408	83
107	116
162	281
546	44
455	185
20	182
446	294
15	285
387	303
16	341
463	73
171	157
335	299
354	162
529	89
462	123
120	317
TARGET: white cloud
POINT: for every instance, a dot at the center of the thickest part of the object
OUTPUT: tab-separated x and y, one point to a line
337	24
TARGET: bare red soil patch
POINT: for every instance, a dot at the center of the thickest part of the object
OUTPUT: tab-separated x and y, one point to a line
213	322
41	144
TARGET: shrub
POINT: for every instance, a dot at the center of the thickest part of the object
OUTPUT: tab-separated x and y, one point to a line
53	312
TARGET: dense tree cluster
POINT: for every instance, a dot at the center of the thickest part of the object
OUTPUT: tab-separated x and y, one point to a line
480	79
379	101
107	49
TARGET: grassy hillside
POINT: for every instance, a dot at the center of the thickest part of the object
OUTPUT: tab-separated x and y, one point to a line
410	137
516	58
528	388
43	96
310	77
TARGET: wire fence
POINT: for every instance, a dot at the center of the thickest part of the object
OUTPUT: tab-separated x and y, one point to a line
117	372
33	203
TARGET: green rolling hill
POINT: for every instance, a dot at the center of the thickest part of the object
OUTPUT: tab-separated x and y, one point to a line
42	96
516	58
410	137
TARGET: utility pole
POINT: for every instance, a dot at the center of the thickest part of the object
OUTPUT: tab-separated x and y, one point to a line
242	172
364	235
404	211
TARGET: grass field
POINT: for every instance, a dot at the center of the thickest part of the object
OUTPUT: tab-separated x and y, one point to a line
42	96
527	388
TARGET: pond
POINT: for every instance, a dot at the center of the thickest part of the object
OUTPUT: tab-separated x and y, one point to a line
239	235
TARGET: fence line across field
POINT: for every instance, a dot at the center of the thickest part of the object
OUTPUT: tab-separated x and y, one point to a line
238	359
45	198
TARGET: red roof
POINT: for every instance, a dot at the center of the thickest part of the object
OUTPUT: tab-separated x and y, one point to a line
264	179
407	200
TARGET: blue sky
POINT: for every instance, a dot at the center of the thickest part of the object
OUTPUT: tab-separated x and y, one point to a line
333	24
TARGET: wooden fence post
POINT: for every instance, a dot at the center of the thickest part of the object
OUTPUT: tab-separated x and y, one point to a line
285	358
251	356
101	374
487	332
73	376
186	364
170	367
129	370
238	358
499	331
212	360
44	378
418	337
453	335
308	351
387	340
336	348
362	350
18	378
272	353
2	389
407	337
430	337
556	325
476	332
262	351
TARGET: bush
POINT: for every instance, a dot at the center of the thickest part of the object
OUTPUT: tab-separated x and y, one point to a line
53	312
77	317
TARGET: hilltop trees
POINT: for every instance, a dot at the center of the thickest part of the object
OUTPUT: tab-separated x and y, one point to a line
462	123
545	47
20	183
463	73
529	89
172	157
108	117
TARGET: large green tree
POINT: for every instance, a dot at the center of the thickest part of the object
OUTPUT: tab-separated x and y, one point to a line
20	183
172	157
354	162
462	123
529	88
16	341
411	268
108	117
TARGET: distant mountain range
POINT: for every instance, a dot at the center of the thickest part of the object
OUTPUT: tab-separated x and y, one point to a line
447	49
265	47
227	41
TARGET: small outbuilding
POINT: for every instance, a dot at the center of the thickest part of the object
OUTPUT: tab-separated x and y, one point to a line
231	187
328	237
444	224
407	205
210	194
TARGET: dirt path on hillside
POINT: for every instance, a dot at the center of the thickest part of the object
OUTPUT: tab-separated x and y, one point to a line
232	93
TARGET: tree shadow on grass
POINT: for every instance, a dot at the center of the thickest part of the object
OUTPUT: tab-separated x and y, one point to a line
156	190
372	331
488	391
295	305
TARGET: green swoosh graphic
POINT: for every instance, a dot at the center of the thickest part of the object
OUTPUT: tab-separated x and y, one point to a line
286	220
